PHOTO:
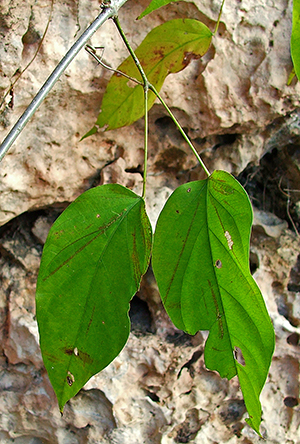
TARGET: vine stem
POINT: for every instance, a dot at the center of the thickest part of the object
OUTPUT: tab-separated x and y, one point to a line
182	132
109	10
147	85
146	89
219	19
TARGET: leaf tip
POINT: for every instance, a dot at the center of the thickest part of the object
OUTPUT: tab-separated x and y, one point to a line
253	426
61	409
89	133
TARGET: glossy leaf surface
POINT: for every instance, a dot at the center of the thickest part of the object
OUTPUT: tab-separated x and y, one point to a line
167	49
92	264
295	38
155	4
201	264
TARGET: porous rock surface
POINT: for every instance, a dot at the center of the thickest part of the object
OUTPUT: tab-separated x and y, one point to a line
242	117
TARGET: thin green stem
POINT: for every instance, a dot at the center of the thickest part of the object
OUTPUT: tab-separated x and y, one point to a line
219	19
147	86
128	46
146	89
184	135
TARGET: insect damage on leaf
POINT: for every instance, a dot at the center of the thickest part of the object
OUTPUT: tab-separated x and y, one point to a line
93	305
208	283
238	356
70	379
167	49
218	263
229	240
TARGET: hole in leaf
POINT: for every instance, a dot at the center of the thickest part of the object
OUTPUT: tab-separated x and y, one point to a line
218	263
238	356
70	379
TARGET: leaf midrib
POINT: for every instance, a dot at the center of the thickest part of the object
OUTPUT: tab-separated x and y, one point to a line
120	220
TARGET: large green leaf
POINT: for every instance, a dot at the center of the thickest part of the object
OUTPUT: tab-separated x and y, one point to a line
92	264
155	4
167	49
295	38
201	264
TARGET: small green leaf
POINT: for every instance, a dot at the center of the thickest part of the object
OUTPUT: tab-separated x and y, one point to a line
167	49
295	38
155	4
92	264
201	264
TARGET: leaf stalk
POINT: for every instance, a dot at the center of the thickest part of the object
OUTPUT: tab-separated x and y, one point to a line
181	130
147	86
219	19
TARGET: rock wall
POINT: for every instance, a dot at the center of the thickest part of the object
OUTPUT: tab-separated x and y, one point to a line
242	117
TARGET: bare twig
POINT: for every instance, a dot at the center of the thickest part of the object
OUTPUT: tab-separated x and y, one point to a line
109	9
92	51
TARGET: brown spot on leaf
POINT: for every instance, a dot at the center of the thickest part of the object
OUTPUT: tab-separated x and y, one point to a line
85	357
188	57
131	84
68	351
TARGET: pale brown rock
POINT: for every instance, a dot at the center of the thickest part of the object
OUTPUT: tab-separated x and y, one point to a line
243	118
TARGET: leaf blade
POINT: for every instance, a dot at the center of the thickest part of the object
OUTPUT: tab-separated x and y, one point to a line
167	49
203	276
155	4
295	37
90	270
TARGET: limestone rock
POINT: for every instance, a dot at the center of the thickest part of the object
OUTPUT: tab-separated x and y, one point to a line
242	117
237	89
158	389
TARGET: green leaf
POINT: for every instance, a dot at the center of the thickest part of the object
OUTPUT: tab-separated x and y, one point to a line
295	38
167	49
92	264
201	264
155	4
